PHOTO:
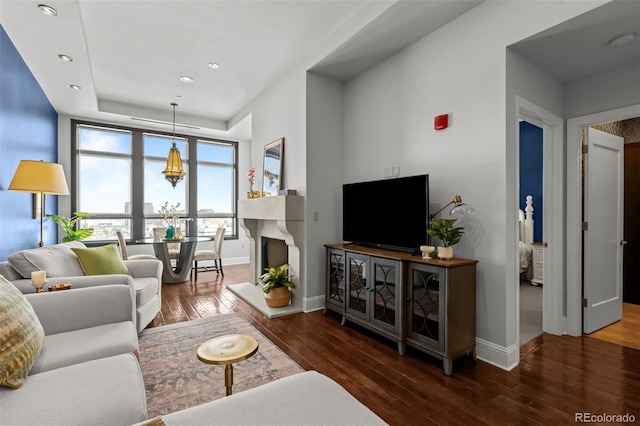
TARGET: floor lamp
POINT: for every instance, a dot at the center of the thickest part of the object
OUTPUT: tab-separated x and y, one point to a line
39	178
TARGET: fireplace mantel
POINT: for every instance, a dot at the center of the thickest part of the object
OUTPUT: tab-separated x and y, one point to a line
281	207
280	217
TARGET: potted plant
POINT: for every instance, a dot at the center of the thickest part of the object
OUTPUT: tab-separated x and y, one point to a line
68	224
448	235
275	285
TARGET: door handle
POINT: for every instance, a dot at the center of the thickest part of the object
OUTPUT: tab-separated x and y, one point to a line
623	242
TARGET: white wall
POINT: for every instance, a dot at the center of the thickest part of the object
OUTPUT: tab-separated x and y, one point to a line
460	70
604	92
325	118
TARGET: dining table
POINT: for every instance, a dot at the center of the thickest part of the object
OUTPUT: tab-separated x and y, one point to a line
179	272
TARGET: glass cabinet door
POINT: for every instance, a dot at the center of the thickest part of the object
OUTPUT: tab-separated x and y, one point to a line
425	321
335	288
358	292
386	293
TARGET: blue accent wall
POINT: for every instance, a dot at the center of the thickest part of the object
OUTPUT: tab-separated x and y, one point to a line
28	131
531	150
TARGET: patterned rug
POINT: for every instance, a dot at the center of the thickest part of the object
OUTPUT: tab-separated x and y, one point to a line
174	377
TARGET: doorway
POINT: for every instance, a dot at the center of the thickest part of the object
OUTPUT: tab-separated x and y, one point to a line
624	330
552	233
575	210
531	220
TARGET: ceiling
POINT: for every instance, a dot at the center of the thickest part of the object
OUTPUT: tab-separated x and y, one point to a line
128	55
579	48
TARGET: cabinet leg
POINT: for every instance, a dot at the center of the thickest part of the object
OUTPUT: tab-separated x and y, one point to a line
343	320
447	364
473	353
401	348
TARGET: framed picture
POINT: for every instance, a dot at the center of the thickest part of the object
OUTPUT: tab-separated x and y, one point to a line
273	167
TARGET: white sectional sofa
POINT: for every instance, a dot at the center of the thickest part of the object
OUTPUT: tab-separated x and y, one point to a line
308	398
86	370
62	266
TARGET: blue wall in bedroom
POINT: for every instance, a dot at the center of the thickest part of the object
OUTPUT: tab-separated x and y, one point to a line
28	131
531	173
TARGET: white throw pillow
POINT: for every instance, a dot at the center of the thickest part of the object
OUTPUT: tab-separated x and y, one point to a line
58	260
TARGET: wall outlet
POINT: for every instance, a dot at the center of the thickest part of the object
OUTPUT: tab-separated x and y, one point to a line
396	171
315	216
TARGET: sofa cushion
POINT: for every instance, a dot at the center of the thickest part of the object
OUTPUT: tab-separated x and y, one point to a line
146	288
74	347
9	272
58	260
104	260
107	391
21	336
318	401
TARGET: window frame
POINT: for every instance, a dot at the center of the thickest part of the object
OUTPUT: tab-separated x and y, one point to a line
137	216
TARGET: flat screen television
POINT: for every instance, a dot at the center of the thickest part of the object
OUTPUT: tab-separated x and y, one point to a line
390	213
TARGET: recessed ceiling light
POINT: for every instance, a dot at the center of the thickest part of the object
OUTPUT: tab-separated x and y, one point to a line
47	10
75	87
622	40
66	58
214	65
186	79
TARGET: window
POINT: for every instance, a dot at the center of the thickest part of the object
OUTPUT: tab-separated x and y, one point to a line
118	179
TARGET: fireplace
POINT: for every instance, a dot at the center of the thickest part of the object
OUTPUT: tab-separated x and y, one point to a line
274	253
275	228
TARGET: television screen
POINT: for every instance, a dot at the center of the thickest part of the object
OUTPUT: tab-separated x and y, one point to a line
391	213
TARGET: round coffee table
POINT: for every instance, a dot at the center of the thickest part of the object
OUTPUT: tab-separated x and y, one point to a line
227	350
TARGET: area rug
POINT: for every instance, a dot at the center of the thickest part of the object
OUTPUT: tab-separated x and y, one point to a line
174	378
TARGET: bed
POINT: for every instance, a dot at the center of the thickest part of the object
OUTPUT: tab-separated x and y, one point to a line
525	220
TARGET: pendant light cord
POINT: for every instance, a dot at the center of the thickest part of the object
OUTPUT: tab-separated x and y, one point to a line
174	105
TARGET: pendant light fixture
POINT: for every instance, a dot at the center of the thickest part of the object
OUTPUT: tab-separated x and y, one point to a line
174	172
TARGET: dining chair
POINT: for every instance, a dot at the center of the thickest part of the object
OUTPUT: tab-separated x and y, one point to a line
215	255
123	250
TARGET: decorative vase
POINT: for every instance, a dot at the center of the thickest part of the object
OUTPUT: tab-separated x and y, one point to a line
445	253
169	233
278	297
253	194
426	251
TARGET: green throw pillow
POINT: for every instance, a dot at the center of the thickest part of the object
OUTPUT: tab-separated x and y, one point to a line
103	260
21	336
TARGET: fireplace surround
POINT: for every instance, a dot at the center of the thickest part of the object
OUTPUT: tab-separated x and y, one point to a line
279	218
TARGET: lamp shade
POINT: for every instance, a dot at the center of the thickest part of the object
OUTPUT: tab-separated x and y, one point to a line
39	177
174	172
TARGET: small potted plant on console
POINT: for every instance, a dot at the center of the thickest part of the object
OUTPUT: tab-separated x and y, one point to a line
448	235
275	285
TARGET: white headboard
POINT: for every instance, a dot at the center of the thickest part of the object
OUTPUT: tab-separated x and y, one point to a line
526	222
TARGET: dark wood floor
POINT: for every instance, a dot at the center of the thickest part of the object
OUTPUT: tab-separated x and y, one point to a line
557	377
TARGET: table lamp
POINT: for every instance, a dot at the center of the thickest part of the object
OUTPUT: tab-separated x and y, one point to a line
40	178
460	208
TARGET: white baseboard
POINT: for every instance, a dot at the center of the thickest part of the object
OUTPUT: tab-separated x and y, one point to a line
235	260
311	304
502	357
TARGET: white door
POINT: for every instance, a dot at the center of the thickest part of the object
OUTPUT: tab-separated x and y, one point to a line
603	213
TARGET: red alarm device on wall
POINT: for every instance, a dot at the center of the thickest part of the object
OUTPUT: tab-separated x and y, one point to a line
441	122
